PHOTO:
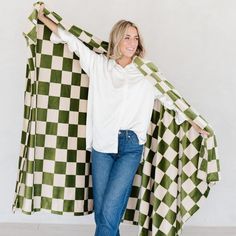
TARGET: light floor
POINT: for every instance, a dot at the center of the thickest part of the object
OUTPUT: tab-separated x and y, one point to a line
7	229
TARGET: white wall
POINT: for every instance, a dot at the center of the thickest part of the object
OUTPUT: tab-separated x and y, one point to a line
193	42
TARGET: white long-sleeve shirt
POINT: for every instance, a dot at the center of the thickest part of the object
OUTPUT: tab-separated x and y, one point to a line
118	98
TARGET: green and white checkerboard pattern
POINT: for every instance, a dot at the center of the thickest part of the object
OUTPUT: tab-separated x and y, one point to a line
179	165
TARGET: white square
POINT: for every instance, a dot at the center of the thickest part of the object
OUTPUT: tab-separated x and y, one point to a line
75	91
66	77
50	141
57	204
83	105
59	180
165	226
168	136
27	205
170	154
69	193
38	177
48	166
73	117
80	181
44	74
64	104
41	127
52	115
188	203
188	186
71	168
29	180
160	192
39	153
61	155
189	168
31	154
81	156
47	47
55	89
82	131
76	68
57	63
190	151
42	101
62	129
84	82
47	191
172	172
72	143
163	209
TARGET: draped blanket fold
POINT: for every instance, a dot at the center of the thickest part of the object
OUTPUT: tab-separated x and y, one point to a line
179	165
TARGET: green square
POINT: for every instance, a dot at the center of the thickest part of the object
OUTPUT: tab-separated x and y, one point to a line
26	112
37	190
23	137
74	104
68	206
46	203
41	114
46	33
53	102
47	178
166	182
51	128
168	199
73	130
81	143
56	76
63	117
43	88
58	192
76	79
164	164
80	169
38	165
58	49
163	146
49	153
82	118
62	142
60	167
46	61
79	194
65	90
40	140
71	155
67	64
70	181
84	93
39	45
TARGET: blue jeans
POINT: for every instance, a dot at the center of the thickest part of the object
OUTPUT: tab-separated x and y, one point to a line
112	177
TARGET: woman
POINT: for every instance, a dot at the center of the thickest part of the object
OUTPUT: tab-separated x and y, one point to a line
120	104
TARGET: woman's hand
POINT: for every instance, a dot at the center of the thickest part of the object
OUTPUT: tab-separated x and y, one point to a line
198	129
40	12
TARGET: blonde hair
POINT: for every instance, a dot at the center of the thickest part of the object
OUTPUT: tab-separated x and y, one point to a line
117	34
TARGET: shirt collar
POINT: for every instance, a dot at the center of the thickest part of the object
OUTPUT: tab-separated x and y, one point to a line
129	66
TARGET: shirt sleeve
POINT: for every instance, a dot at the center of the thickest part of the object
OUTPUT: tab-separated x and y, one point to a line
180	117
88	58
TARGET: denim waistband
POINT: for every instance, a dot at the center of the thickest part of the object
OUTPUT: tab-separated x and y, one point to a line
126	132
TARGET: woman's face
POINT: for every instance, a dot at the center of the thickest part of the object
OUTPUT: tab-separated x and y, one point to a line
129	43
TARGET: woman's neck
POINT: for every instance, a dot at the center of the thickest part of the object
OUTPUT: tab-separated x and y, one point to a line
124	61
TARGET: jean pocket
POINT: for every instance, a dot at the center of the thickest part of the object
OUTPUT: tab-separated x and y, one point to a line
133	138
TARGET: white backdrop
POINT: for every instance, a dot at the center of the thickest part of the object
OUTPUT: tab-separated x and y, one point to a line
193	42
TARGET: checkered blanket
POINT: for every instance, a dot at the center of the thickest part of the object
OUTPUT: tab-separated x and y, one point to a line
179	165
